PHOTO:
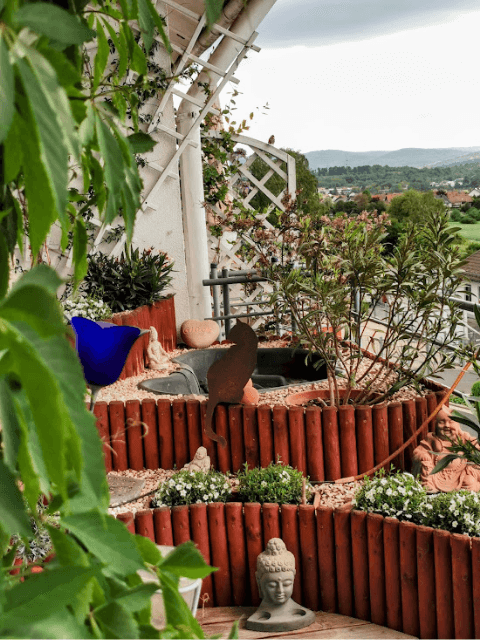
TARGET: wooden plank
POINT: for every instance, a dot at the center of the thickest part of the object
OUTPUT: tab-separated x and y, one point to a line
219	621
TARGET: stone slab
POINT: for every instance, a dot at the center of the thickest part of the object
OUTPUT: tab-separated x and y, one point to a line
124	489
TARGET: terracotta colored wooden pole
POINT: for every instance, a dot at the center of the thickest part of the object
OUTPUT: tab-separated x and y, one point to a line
253	531
296	428
443	583
280	435
194	427
331	444
199	532
237	550
422	415
162	520
476	584
165	433
116	411
309	554
221	426
348	440
100	411
313	434
150	439
409	427
134	431
343	559
180	524
290	535
235	429
408	564
265	434
271	522
395	421
144	524
358	523
364	433
380	433
326	558
127	518
431	404
180	433
393	591
426	581
250	436
462	586
376	568
207	442
219	550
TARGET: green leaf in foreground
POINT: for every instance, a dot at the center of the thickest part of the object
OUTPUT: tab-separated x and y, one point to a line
54	22
14	518
141	142
6	91
186	560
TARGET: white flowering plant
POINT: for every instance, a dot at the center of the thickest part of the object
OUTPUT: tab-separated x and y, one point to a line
455	511
86	307
276	483
190	487
399	495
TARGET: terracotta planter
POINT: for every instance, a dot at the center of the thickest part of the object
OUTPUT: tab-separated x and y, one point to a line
303	397
161	315
409	578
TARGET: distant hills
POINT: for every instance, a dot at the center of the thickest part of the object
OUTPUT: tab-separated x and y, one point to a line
401	158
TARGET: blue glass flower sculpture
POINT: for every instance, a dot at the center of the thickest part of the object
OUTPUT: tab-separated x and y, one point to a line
103	348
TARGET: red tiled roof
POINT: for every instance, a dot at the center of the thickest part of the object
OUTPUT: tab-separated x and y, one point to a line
456	196
472	266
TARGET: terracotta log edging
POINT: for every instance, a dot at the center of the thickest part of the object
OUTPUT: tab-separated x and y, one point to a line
407	577
161	315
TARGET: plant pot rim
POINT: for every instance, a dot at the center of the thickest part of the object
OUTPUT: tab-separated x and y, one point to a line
302	397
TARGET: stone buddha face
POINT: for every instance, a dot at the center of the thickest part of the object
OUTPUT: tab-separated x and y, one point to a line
445	426
277	588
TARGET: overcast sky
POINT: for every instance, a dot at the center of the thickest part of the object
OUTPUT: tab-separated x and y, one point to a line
363	75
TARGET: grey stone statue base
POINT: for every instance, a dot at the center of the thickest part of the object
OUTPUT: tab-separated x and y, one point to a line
287	617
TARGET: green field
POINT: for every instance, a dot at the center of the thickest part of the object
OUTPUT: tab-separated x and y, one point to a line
468	231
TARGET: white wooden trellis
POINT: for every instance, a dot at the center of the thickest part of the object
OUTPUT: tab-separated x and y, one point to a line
228	257
185	58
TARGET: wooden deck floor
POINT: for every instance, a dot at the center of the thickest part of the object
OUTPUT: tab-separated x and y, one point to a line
219	620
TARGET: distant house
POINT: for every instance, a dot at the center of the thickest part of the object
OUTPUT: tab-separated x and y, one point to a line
474	193
454	199
472	277
385	197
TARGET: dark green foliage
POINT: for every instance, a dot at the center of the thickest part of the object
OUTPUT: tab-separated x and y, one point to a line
130	281
475	390
275	483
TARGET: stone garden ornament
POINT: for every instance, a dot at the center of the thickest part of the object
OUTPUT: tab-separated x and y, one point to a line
157	356
275	575
457	474
200	462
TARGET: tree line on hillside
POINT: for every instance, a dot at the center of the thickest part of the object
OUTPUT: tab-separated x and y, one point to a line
409	208
380	178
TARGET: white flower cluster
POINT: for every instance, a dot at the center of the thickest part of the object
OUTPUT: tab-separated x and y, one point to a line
398	495
87	307
456	511
189	487
403	497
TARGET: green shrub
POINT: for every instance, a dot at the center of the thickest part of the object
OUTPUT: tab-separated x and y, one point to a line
468	219
399	495
456	216
475	391
128	282
275	483
474	213
455	511
190	487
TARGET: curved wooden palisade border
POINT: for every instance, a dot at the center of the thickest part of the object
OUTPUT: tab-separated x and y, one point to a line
324	443
414	579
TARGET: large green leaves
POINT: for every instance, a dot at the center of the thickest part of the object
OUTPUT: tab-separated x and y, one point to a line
54	22
6	90
14	518
108	539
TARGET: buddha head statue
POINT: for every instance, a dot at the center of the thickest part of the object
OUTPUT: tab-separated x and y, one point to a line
275	573
445	427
